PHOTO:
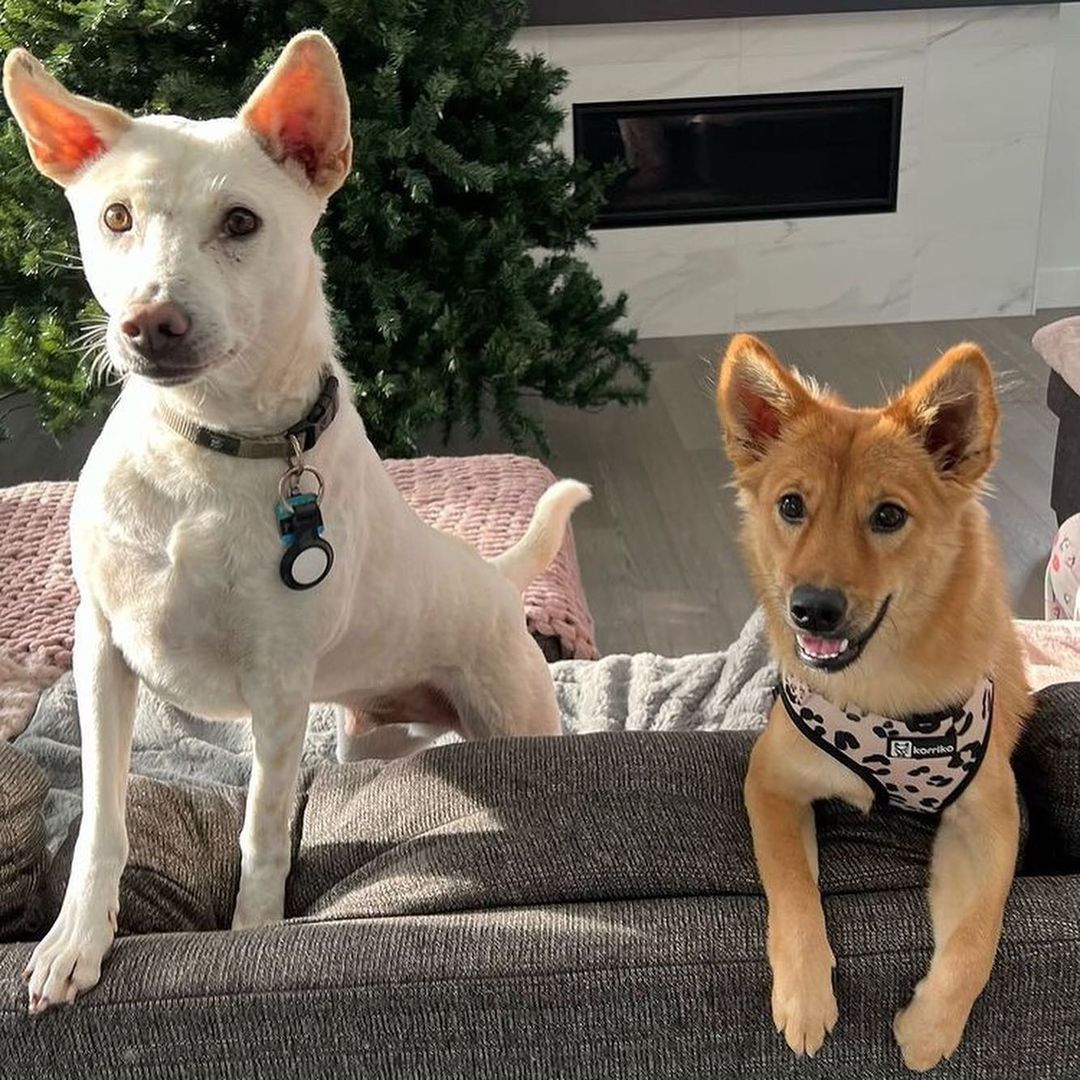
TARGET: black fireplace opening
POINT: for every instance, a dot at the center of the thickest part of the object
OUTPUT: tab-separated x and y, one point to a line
744	158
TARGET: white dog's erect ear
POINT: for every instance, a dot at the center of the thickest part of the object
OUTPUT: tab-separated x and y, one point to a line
300	112
64	132
755	397
953	410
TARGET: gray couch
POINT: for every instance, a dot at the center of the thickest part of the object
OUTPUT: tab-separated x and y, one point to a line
582	908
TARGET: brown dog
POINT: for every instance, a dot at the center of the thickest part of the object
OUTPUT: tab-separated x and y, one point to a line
902	679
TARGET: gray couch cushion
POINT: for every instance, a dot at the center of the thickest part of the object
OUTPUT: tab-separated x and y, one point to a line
23	787
642	990
1047	765
183	864
512	822
584	930
490	824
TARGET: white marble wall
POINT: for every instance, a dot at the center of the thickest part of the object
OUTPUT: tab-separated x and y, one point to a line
1059	245
964	240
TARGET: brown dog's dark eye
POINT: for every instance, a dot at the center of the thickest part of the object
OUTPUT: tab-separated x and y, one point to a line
240	221
792	508
887	518
117	217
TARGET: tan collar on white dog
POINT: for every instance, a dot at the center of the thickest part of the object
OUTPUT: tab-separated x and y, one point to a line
305	432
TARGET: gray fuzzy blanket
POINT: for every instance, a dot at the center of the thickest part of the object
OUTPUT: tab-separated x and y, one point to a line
709	692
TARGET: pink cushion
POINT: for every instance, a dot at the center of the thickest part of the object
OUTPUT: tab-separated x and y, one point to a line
37	597
486	500
1058	343
1052	651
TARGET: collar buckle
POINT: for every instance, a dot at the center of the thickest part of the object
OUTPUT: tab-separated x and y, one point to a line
305	433
319	417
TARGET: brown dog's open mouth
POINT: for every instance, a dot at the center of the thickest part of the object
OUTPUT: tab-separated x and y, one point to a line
836	653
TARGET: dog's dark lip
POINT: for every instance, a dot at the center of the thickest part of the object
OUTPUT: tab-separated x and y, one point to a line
854	650
161	372
177	377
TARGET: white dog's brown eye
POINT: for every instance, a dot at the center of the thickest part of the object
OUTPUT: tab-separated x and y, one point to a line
887	518
240	221
117	217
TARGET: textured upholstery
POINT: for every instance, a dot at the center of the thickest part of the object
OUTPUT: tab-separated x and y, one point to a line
584	907
612	990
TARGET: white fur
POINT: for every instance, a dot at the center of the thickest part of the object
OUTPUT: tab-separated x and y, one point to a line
175	548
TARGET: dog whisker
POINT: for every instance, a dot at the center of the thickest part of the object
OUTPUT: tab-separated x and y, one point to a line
92	336
62	260
70	256
1008	381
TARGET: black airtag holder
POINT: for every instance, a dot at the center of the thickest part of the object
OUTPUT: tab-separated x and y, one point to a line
301	525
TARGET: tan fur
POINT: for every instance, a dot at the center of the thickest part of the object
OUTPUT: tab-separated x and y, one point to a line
948	624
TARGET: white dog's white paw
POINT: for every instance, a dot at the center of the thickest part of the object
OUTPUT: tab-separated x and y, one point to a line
248	916
260	899
67	960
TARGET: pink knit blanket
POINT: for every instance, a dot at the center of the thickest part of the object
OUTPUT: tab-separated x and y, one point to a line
487	500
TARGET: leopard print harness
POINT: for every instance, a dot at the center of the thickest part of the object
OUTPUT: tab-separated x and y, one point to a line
920	763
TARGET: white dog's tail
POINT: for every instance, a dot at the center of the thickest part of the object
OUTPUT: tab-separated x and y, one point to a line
533	553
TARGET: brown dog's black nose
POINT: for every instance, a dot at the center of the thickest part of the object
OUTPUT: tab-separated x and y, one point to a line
820	611
155	328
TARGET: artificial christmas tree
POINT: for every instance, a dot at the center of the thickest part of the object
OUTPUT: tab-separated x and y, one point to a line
451	271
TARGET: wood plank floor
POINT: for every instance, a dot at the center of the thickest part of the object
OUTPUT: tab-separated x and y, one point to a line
657	544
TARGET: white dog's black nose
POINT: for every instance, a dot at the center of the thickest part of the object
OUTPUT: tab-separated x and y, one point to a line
820	611
155	329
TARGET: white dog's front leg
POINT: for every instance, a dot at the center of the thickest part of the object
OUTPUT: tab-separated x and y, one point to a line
278	727
68	959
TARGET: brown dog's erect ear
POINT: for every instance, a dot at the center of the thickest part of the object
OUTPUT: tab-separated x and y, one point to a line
952	408
300	112
755	397
64	132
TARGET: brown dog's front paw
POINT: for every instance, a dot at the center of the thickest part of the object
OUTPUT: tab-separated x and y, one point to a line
926	1031
804	1008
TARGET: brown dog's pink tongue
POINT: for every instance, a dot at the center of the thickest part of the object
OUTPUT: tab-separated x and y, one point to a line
815	646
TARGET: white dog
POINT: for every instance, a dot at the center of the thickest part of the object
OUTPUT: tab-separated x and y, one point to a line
198	557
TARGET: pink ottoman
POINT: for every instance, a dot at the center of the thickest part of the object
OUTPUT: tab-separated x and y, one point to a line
487	500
